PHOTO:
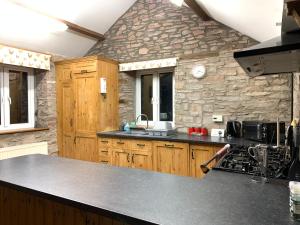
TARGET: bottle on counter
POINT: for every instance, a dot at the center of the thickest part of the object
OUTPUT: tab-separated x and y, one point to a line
295	199
127	127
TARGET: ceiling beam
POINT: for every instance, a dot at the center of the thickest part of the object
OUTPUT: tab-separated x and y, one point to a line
293	9
197	9
71	26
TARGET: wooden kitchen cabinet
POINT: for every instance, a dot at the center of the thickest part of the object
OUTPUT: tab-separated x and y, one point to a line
172	157
81	109
126	153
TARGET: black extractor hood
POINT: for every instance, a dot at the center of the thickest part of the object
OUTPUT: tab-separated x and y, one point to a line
280	54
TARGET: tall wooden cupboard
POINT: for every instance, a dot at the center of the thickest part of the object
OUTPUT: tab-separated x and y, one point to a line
82	109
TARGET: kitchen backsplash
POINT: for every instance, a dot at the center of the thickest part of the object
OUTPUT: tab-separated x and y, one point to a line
154	29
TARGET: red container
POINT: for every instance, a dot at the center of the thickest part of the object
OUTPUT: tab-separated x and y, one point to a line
204	132
191	130
198	130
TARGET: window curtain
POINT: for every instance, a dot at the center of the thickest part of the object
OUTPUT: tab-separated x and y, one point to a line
20	57
152	64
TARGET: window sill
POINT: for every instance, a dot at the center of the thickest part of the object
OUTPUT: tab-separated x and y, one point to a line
23	130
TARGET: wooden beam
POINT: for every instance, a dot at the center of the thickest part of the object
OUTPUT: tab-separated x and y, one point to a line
71	26
293	9
197	9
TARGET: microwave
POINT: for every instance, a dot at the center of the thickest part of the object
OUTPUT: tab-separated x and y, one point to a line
265	132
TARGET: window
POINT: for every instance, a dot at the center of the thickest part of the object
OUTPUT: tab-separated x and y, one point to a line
16	98
155	95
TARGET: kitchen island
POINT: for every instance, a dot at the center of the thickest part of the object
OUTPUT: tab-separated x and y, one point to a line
64	191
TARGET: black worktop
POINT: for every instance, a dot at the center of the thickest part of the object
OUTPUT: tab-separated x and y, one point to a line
145	197
179	137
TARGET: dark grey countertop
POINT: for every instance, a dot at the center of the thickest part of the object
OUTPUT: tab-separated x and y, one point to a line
179	137
145	197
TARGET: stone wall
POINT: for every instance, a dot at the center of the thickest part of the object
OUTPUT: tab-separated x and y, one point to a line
154	29
45	114
296	106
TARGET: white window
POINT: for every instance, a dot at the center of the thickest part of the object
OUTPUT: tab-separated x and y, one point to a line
155	96
16	98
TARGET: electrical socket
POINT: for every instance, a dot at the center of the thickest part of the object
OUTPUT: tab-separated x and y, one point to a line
217	118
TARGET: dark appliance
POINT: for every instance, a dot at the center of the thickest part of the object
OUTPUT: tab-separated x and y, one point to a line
278	55
265	132
233	129
238	160
293	140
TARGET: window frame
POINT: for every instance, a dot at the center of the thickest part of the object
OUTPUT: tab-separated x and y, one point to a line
5	95
155	94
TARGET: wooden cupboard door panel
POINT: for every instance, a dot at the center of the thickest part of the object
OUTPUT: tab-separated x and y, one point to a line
85	67
86	148
121	157
141	160
109	106
86	99
172	158
63	86
68	148
199	154
164	160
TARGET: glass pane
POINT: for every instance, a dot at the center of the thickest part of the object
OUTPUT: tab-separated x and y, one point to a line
166	96
146	96
1	90
18	91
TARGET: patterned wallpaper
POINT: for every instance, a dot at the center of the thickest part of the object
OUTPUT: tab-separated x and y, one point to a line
151	64
20	57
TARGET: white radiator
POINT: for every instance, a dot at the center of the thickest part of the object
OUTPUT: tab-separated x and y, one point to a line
27	149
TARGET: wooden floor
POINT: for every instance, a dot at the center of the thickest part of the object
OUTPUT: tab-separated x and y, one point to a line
19	208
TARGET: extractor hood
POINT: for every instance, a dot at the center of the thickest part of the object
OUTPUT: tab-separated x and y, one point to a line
278	55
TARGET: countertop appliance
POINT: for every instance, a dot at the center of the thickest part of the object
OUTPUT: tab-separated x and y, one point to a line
233	129
265	132
280	54
238	160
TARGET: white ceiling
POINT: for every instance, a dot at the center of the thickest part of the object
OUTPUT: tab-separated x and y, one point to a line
97	15
255	18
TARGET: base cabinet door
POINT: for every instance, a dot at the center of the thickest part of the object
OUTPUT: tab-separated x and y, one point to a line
172	158
86	148
141	160
200	154
121	157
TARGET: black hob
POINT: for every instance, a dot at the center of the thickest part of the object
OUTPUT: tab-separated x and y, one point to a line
238	160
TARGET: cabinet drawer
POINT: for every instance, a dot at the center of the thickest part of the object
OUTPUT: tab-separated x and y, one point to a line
85	67
104	142
120	143
140	145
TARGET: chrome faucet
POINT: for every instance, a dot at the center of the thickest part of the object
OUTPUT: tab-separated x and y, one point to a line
145	117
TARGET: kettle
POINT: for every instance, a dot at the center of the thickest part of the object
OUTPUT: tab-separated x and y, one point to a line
233	129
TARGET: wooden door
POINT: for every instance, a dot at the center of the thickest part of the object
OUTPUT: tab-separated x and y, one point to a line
86	148
199	154
67	120
86	102
141	160
121	157
172	158
65	109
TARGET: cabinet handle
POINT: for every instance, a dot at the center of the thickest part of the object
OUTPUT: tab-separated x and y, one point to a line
104	141
193	154
71	77
83	71
128	157
120	143
169	146
74	140
132	158
71	122
141	145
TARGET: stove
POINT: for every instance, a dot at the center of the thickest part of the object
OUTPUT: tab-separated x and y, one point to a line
238	160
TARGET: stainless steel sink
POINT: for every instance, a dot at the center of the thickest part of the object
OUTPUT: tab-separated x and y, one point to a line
133	132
